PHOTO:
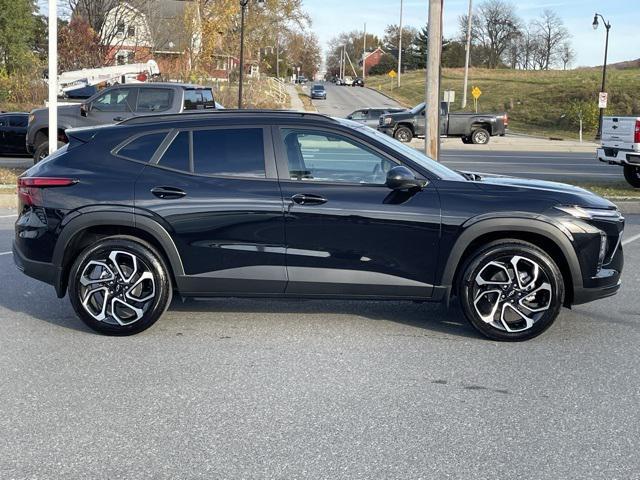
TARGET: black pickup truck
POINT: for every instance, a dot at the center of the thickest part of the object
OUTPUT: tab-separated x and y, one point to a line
471	127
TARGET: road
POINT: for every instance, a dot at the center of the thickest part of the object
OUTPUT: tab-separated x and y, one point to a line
316	389
554	166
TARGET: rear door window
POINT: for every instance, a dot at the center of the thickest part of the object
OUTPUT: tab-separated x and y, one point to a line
18	121
229	152
154	99
142	148
177	155
115	100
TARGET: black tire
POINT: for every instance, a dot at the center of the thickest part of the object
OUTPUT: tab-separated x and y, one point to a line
115	294
632	175
466	140
517	320
480	136
403	134
42	151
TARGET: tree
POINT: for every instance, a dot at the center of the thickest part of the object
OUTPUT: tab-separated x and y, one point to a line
78	46
303	50
17	34
567	55
409	44
493	28
387	63
354	43
552	34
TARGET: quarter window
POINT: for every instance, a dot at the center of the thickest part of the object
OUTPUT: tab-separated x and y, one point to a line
153	99
142	148
177	155
234	152
327	157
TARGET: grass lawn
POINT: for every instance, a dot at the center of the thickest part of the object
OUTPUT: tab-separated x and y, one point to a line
306	99
536	101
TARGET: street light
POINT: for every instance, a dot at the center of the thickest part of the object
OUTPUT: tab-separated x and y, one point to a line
243	10
607	25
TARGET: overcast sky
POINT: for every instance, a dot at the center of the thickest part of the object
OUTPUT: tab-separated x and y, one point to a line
331	17
334	16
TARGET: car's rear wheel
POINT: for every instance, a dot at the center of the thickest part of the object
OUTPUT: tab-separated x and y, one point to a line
511	290
403	134
42	151
119	286
632	175
480	136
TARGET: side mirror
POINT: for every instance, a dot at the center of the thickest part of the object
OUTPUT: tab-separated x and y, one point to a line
401	178
85	108
350	117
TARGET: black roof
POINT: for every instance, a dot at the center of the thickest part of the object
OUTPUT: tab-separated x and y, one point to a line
215	114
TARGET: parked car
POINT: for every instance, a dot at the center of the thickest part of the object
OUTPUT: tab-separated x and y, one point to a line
318	91
471	127
371	116
13	131
358	82
347	81
621	146
115	104
287	204
301	79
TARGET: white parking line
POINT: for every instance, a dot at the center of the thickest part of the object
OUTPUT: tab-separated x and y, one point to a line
9	216
631	240
5	253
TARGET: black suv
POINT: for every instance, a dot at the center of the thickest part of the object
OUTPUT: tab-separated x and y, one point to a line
286	204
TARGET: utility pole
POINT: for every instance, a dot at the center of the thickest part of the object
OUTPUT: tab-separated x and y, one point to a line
364	53
432	85
607	25
400	45
53	76
243	9
466	60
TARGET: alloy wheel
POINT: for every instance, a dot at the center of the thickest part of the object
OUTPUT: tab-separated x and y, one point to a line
116	287
511	293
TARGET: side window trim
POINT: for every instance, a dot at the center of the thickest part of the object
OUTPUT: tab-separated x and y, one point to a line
283	161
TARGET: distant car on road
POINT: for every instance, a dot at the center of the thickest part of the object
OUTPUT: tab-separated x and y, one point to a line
301	79
371	116
300	205
621	146
13	132
471	127
347	81
358	82
318	91
115	104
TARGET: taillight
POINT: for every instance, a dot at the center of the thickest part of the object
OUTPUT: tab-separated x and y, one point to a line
505	120
636	136
29	188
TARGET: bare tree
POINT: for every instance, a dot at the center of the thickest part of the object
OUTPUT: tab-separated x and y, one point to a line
495	25
552	35
567	55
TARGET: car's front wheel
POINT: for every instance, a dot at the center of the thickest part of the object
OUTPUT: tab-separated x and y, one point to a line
632	175
119	286
403	134
511	290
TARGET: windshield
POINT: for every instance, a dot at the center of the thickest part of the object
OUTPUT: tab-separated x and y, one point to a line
414	155
415	110
318	87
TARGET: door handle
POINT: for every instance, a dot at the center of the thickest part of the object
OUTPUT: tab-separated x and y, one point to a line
118	119
308	199
167	193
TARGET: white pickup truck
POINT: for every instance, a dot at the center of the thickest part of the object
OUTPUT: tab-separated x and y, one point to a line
621	146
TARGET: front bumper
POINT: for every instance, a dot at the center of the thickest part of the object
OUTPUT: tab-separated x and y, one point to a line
387	129
43	271
614	156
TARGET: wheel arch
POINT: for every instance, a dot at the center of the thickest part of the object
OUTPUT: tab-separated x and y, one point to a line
537	232
86	228
477	125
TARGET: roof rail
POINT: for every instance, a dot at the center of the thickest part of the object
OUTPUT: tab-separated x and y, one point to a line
226	112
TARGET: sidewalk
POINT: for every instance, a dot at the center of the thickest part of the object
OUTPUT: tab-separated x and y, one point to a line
296	103
515	143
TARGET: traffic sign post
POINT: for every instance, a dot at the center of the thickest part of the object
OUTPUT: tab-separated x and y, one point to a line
476	92
449	97
603	97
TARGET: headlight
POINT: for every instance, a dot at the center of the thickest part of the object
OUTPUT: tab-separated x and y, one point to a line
32	116
590	213
387	121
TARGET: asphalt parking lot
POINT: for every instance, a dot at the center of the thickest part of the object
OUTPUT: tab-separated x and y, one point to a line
233	388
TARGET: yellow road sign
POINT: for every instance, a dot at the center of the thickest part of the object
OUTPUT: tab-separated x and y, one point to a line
392	74
476	92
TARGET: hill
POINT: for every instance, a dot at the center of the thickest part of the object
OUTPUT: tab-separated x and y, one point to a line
538	102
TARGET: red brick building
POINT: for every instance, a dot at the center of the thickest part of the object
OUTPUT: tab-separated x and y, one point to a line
372	59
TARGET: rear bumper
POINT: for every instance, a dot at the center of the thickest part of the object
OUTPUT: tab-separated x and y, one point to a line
43	271
613	156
